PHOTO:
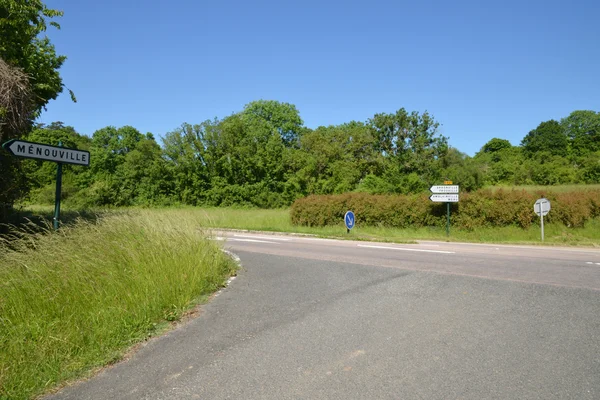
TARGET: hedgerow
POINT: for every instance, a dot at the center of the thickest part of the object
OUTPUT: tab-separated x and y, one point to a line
483	208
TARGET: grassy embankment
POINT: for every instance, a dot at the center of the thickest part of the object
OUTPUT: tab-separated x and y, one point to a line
278	220
78	299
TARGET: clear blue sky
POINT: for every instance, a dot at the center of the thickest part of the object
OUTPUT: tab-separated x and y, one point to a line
483	69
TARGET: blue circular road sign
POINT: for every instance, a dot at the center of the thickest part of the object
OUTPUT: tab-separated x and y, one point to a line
349	219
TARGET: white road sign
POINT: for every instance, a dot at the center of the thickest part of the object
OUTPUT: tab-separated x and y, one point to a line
444	189
541	207
444	198
45	152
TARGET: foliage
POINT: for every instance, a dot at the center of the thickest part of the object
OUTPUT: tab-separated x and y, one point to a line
281	118
482	208
23	45
409	142
582	127
263	157
548	137
29	79
495	145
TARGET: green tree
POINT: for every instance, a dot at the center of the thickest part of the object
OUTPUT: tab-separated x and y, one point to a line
462	170
549	169
23	45
31	74
589	168
495	145
411	145
499	166
337	158
144	176
126	167
283	118
240	159
583	130
186	150
549	136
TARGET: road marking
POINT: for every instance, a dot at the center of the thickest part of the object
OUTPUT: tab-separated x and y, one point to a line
252	240
405	249
263	237
508	246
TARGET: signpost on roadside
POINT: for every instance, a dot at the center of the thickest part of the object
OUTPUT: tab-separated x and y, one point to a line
446	193
45	152
542	208
349	220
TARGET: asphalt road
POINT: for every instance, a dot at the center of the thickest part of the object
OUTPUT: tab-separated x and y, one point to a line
314	319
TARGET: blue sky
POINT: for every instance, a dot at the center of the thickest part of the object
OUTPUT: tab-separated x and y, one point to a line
483	69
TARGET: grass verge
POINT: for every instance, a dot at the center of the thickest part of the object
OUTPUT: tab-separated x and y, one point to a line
77	299
279	221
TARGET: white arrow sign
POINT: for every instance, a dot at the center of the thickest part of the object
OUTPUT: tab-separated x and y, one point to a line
444	189
444	198
21	148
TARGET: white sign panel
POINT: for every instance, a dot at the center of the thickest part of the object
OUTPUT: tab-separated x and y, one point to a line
541	207
444	189
21	148
444	198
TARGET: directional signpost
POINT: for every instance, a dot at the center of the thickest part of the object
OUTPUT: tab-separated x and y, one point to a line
444	198
58	154
542	208
349	221
446	193
444	189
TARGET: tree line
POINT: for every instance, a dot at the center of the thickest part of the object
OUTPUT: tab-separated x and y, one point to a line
264	156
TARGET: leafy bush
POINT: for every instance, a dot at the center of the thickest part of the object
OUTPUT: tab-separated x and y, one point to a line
483	208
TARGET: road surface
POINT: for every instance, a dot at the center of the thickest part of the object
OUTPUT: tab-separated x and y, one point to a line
328	319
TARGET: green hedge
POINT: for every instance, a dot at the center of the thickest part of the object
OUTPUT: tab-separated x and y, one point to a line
483	208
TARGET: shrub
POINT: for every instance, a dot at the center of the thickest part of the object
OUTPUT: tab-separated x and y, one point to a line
483	208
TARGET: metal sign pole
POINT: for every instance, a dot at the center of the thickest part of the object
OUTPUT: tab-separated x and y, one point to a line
542	216
58	190
448	219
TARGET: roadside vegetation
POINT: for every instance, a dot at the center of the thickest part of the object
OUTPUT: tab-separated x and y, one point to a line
78	299
279	220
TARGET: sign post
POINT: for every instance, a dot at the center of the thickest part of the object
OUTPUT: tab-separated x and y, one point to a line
542	208
446	193
447	218
349	220
57	195
45	152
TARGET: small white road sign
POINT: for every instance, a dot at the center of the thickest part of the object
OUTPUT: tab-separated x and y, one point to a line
21	148
444	198
542	207
444	189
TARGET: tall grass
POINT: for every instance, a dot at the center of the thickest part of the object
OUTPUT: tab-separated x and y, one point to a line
77	299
